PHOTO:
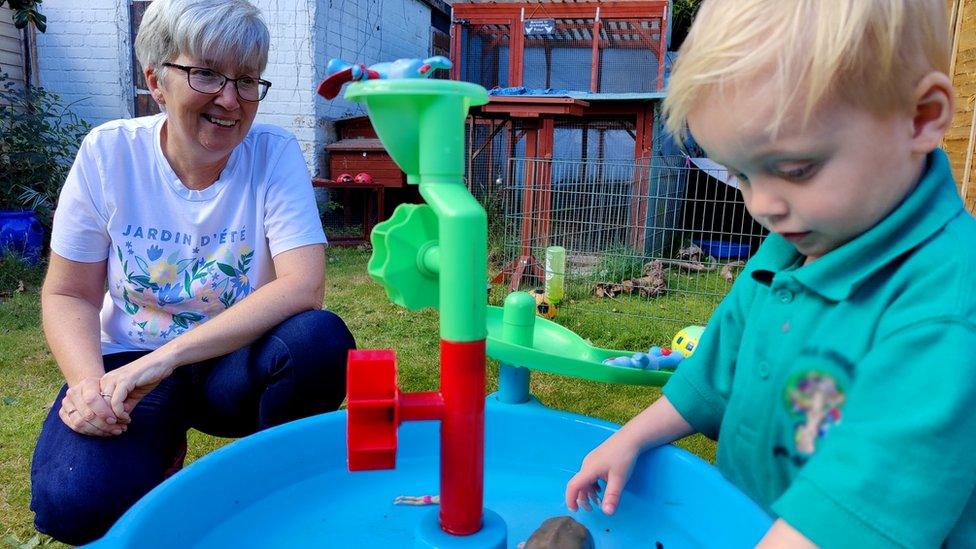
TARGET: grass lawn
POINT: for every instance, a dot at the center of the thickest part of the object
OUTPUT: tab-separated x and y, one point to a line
29	378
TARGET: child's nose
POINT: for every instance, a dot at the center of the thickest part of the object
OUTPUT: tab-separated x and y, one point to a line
764	204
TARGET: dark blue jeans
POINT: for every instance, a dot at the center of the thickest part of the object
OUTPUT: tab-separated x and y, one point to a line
81	484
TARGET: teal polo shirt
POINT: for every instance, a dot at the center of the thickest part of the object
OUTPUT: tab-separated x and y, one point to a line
843	392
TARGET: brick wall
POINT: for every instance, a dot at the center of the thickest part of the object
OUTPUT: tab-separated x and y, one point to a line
291	101
85	57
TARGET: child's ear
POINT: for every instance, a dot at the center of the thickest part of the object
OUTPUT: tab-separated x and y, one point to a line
933	111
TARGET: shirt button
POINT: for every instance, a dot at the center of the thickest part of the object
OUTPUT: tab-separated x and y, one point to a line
763	367
785	296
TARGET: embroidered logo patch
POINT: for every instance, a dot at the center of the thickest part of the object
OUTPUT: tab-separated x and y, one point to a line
814	400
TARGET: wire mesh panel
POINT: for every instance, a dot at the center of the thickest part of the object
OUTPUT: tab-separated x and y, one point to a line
629	55
594	139
485	54
624	59
349	213
658	239
490	145
561	59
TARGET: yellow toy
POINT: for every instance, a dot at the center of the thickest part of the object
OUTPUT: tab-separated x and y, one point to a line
543	307
686	340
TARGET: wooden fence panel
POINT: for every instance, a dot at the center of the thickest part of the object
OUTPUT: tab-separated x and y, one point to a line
11	50
960	140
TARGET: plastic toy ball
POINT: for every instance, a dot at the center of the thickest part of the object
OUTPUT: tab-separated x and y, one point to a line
364	178
686	340
344	178
543	307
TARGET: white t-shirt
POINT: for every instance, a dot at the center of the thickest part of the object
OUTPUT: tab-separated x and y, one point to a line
177	257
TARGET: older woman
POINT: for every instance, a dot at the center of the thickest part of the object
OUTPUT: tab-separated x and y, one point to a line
203	229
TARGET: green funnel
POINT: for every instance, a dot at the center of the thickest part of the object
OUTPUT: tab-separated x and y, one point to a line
414	115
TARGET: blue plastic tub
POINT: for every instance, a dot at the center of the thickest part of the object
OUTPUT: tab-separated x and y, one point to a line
289	487
719	249
21	234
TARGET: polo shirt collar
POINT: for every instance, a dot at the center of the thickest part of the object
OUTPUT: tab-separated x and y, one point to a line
838	274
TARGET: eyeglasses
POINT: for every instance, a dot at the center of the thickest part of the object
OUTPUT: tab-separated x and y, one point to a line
209	81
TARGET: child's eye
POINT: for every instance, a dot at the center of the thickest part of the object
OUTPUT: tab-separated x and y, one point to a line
801	173
739	176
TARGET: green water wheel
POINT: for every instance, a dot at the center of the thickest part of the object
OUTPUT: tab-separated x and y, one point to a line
405	257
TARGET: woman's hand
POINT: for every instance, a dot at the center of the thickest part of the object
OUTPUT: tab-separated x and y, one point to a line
86	411
124	387
612	462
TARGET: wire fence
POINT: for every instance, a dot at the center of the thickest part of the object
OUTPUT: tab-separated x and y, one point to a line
493	143
660	239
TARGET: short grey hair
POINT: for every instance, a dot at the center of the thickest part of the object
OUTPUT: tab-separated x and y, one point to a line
215	30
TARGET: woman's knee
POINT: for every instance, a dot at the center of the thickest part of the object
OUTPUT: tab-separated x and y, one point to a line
308	369
80	484
72	508
76	500
319	333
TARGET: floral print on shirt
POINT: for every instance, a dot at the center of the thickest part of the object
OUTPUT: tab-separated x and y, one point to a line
165	295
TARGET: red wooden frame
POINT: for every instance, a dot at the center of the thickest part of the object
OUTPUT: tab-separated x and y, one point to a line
512	14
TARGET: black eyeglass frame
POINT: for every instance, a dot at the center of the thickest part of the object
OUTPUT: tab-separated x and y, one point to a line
226	78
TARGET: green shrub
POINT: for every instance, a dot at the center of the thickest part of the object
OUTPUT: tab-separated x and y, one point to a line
18	275
39	136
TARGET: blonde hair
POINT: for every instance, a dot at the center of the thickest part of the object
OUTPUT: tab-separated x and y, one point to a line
218	30
870	53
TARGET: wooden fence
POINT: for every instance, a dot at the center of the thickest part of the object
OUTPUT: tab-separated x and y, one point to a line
11	47
960	140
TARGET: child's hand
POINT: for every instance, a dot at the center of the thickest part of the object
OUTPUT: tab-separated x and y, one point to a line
611	461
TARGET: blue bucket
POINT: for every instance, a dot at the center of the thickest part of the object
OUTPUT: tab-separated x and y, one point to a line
719	249
21	234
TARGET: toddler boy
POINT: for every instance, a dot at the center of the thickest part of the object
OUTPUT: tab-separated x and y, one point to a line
839	374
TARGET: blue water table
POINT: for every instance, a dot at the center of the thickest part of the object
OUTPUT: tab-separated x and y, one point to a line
484	472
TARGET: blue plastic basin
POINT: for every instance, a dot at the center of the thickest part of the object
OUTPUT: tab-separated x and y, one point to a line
289	487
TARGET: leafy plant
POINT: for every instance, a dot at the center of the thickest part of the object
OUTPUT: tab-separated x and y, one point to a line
683	12
25	12
39	136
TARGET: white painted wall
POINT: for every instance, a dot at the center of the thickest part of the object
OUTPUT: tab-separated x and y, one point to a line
85	57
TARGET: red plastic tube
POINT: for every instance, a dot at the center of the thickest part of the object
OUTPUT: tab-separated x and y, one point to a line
462	436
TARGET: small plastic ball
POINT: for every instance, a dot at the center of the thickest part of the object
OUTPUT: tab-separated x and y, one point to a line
686	340
543	307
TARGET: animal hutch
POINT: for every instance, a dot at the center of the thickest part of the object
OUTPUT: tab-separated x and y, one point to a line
355	204
570	149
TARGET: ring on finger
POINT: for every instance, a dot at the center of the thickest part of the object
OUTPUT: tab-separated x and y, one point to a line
104	394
